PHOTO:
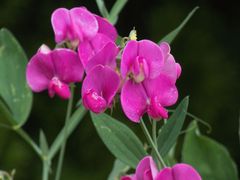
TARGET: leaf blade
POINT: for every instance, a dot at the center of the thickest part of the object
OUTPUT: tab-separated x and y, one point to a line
119	139
116	9
170	131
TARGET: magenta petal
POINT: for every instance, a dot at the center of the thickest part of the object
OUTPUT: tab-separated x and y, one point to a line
84	23
105	57
60	88
68	67
130	52
164	46
165	174
133	100
61	23
169	69
40	70
87	49
162	88
129	177
105	27
146	169
103	82
185	172
153	55
179	70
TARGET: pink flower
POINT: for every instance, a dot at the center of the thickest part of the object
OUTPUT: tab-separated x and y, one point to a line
99	88
147	170
78	24
99	50
147	88
179	172
54	70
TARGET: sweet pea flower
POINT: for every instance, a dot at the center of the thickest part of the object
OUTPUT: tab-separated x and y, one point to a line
178	172
54	70
148	89
146	170
76	24
99	50
79	24
99	88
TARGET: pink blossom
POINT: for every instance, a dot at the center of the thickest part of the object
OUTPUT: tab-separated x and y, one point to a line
79	24
99	50
178	172
147	170
148	89
54	70
99	88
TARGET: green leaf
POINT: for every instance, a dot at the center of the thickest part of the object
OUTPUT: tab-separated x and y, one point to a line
43	143
102	8
116	9
13	87
119	169
172	35
169	132
119	139
210	158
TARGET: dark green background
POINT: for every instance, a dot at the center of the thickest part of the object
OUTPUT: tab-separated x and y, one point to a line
207	48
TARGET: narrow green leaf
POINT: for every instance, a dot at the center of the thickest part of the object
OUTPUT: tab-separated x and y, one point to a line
43	143
75	119
119	139
170	131
210	158
116	9
102	8
119	169
172	35
13	87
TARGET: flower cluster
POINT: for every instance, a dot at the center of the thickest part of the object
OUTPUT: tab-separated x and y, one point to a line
145	75
147	170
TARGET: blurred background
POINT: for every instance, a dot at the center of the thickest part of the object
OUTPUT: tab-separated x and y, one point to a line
207	49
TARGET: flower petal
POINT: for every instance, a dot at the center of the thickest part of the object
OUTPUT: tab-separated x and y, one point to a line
169	69
105	57
129	55
61	23
105	27
68	67
185	172
133	100
87	49
162	88
103	81
60	88
165	174
146	169
40	70
84	23
153	55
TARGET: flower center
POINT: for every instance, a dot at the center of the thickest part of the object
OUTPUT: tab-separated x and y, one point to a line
92	100
140	69
58	87
156	110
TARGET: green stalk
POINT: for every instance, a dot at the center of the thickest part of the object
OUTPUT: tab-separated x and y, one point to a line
45	169
151	143
62	152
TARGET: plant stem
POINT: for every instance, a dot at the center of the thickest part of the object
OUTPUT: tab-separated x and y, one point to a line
150	141
45	169
62	152
154	132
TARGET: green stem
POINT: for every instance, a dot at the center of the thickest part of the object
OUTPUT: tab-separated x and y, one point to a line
151	143
45	170
62	152
154	132
28	139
